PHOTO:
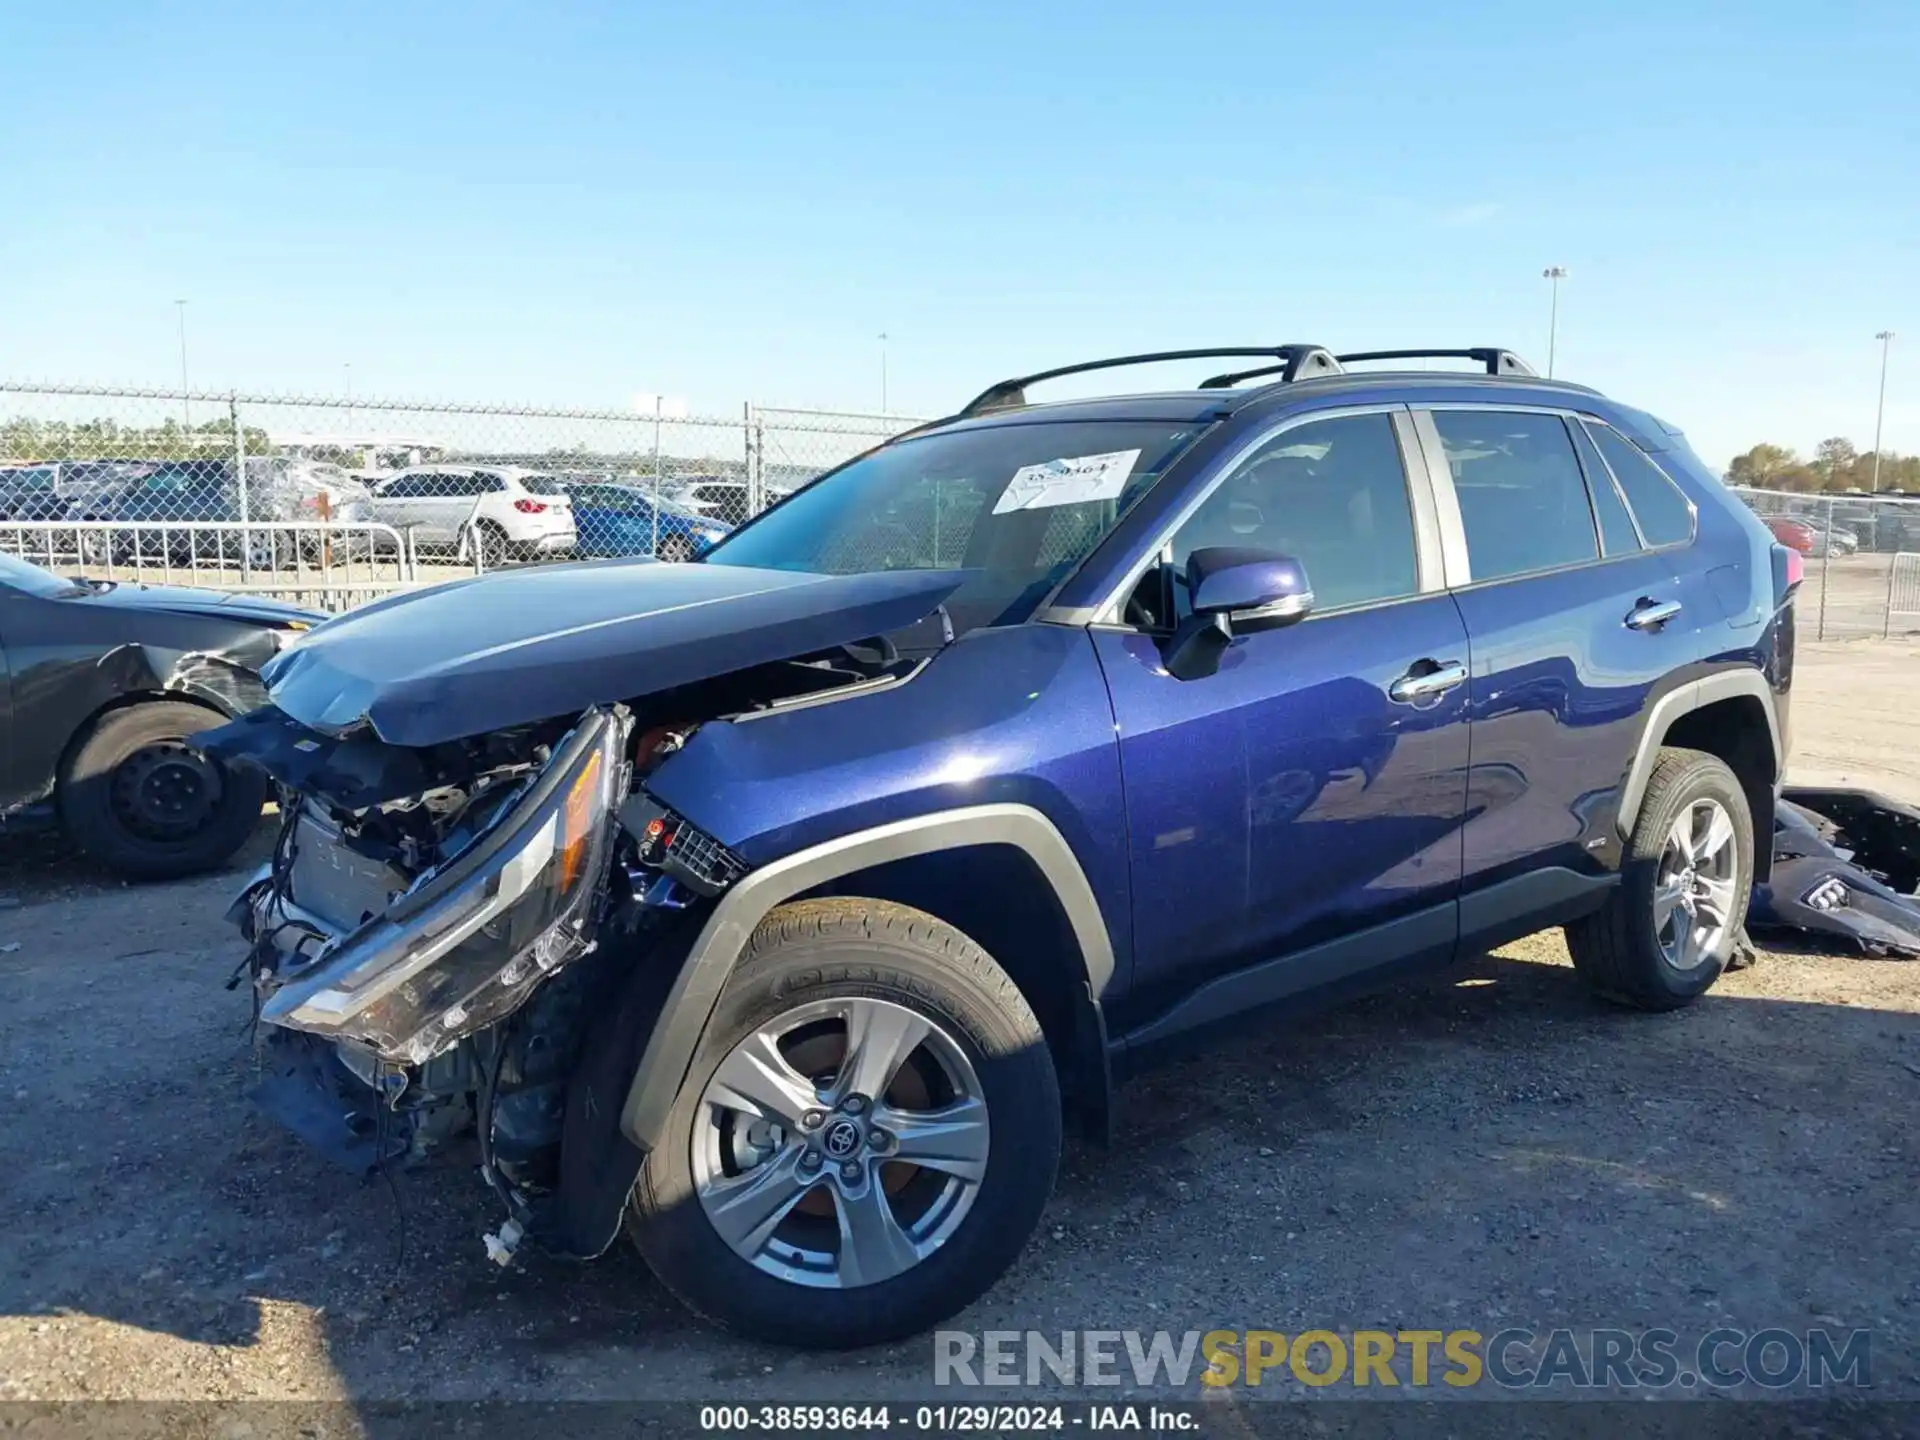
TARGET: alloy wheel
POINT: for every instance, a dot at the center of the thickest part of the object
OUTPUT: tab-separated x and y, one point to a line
1694	895
841	1143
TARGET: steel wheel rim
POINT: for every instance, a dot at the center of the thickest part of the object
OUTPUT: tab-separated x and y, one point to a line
1695	890
164	792
834	1180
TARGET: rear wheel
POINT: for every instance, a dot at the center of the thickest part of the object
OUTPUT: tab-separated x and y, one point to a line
867	1136
1671	926
495	548
139	799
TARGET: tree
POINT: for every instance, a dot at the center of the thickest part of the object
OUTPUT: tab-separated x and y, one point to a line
1762	467
1834	458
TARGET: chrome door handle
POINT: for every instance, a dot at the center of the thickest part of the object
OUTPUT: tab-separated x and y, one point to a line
1418	684
1652	614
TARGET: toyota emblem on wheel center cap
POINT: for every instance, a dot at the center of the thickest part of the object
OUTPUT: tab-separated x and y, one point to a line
843	1138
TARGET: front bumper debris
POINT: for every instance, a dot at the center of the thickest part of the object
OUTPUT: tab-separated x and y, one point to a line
1846	864
309	1090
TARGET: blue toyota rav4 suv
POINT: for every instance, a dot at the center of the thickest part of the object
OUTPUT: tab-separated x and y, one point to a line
784	908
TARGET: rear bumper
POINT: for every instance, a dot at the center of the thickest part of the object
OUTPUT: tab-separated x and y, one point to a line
549	544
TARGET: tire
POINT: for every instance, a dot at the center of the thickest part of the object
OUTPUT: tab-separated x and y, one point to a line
137	801
495	548
675	550
891	964
1619	949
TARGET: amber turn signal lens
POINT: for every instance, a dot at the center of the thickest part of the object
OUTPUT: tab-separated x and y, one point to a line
576	822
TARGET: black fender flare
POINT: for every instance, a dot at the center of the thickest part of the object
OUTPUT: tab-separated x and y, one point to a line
1682	699
710	960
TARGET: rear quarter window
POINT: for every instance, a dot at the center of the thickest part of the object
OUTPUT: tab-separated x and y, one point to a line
1661	507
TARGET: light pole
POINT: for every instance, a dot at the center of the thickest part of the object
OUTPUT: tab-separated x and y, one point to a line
186	405
883	372
1885	337
1553	274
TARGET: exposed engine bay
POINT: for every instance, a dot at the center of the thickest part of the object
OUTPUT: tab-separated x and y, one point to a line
439	926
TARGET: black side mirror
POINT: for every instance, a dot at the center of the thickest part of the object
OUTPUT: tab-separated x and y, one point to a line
1234	590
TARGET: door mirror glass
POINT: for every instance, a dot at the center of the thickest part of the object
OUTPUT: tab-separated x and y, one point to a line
1252	588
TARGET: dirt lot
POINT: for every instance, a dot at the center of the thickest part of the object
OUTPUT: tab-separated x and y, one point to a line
1495	1149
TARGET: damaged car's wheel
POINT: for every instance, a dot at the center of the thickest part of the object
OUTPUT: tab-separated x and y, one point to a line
139	799
866	1138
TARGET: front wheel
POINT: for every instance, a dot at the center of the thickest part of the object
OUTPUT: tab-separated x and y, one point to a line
867	1136
142	801
675	550
1671	926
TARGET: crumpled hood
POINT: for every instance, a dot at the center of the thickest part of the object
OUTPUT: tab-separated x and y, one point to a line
522	645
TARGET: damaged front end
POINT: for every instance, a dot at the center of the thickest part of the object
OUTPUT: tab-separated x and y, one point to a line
1846	866
474	896
425	942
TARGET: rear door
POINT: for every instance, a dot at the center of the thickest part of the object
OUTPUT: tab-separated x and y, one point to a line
397	501
1574	620
1294	818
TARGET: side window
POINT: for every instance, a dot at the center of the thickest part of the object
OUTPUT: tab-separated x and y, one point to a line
1332	494
404	488
1664	512
1523	500
1617	535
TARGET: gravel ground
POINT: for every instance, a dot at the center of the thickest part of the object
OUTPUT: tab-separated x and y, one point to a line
1493	1149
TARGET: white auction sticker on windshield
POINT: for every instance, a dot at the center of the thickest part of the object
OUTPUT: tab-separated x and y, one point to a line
1071	481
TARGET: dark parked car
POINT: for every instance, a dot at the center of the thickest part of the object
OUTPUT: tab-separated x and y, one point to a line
102	688
149	511
783	907
31	492
615	520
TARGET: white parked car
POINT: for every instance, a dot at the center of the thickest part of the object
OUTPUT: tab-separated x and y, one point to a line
724	500
513	514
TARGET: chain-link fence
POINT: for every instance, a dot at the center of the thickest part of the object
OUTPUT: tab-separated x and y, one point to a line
335	500
1862	559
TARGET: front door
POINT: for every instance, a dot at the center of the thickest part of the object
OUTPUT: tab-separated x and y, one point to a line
1298	811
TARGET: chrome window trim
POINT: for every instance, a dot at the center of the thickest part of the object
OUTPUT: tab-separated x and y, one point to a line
1111	609
1693	510
1606	471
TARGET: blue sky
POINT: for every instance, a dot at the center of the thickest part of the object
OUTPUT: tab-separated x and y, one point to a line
575	203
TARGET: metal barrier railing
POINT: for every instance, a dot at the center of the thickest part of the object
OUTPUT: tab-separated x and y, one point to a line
1903	587
340	563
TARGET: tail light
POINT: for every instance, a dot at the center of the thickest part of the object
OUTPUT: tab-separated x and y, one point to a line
529	507
1789	569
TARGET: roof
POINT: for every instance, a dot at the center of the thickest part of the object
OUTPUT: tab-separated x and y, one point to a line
1194	405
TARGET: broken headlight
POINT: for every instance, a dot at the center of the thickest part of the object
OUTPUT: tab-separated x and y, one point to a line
464	947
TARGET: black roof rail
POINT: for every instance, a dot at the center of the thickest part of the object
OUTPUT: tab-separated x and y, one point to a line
1496	361
1296	361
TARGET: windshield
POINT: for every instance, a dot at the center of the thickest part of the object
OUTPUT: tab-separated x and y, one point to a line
42	584
1016	507
542	485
